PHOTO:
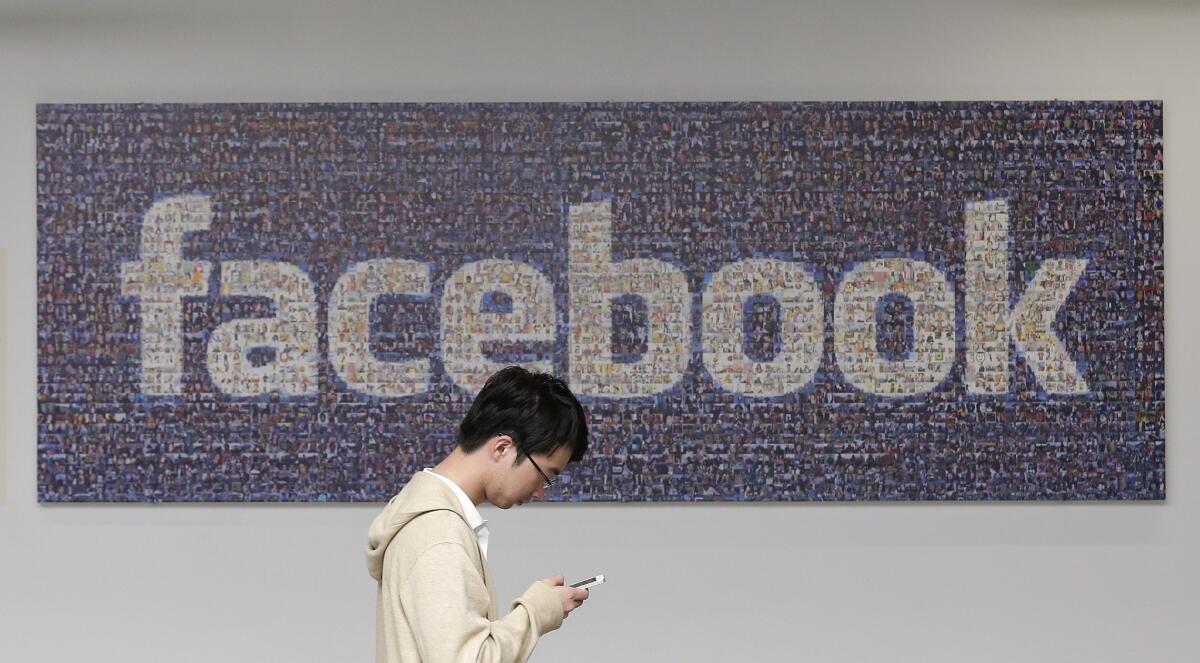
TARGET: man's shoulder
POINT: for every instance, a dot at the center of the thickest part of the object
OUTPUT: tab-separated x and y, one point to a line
428	533
434	527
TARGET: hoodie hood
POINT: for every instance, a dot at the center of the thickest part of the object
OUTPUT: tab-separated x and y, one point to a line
423	493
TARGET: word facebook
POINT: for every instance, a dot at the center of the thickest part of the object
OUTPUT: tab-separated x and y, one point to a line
161	279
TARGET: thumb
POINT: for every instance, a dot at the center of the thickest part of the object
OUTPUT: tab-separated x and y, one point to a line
555	580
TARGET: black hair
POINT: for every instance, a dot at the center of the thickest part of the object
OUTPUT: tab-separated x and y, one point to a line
536	410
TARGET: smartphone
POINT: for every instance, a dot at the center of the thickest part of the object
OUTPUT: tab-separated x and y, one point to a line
590	582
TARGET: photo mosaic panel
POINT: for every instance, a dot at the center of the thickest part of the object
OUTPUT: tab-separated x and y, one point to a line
753	301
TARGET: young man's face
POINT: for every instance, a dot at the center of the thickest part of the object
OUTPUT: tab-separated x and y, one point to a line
520	483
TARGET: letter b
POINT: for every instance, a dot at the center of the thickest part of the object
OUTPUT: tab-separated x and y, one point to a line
595	279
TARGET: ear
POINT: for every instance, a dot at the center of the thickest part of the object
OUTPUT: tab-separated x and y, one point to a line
500	445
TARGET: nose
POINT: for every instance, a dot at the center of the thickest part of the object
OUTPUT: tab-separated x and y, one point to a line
541	490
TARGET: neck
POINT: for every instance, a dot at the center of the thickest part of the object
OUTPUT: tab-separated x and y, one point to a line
458	468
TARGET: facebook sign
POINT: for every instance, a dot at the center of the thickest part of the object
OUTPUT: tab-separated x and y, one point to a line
754	301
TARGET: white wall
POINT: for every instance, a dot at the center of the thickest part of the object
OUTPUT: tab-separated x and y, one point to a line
819	582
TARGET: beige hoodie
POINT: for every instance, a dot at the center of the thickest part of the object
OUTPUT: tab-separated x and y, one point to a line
436	602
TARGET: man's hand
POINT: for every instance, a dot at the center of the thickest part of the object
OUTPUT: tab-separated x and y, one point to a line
571	597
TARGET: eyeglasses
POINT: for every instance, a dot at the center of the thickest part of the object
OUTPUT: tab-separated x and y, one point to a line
549	483
546	480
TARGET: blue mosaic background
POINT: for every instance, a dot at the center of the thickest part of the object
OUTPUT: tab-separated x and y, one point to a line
697	185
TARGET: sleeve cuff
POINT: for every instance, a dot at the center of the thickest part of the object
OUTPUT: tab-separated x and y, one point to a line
543	603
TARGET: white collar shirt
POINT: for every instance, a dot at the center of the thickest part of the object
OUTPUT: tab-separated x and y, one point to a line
474	520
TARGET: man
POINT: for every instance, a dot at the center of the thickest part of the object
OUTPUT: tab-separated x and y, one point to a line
428	549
